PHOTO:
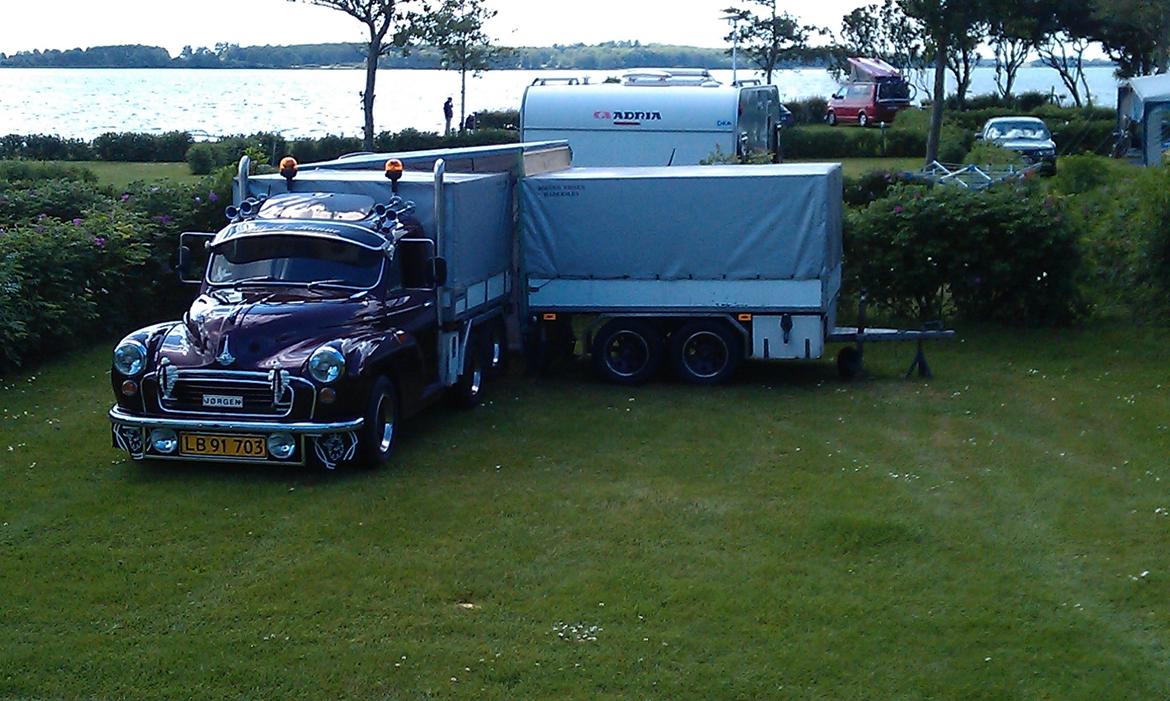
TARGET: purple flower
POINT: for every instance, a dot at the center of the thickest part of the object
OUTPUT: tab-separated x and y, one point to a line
125	196
897	209
163	219
198	199
77	221
212	197
99	241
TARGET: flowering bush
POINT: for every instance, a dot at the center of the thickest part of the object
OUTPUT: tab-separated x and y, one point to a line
1006	254
77	261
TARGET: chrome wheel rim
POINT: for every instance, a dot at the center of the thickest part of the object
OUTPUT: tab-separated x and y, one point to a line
705	354
626	353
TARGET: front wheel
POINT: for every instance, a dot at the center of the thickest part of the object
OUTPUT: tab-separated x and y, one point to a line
831	118
377	438
862	120
627	351
704	352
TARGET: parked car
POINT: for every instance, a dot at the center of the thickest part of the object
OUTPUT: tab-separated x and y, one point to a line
874	94
1027	136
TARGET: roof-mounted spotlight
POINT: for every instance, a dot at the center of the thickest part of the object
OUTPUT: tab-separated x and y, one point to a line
394	173
288	169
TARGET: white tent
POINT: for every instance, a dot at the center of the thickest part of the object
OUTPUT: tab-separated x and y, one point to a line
1143	112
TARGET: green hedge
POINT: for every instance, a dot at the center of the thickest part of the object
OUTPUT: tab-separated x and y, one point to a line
78	261
1007	254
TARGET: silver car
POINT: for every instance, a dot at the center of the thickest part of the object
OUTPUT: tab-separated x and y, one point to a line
1026	136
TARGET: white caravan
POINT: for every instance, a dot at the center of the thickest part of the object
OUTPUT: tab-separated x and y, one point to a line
654	117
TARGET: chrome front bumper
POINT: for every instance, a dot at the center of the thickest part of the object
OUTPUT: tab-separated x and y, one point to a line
117	415
332	443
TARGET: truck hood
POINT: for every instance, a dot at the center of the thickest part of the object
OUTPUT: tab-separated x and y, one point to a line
257	330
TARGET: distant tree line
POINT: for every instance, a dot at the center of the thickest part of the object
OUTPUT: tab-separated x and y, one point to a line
614	55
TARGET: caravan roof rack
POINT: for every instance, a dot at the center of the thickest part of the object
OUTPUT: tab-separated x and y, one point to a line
670	76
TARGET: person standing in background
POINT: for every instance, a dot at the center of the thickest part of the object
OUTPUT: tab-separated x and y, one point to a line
448	114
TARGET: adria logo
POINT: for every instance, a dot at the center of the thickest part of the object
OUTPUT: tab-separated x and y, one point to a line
628	117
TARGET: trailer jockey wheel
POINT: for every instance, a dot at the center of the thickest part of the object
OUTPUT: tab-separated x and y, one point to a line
704	352
849	363
627	351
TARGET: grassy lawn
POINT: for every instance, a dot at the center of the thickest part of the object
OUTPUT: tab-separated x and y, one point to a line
997	533
122	174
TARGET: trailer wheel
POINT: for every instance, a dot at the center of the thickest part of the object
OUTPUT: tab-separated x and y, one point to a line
848	363
468	389
704	352
627	351
831	118
380	430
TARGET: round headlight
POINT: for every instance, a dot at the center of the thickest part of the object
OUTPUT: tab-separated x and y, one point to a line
326	364
164	440
130	357
281	445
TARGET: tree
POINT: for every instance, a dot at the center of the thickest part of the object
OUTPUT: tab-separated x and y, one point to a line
1135	34
456	30
1067	29
380	17
1012	32
881	31
769	39
943	24
961	61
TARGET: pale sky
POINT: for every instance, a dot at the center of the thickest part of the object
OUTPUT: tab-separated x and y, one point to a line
67	24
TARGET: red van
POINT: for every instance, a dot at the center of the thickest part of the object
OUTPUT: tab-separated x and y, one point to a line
875	93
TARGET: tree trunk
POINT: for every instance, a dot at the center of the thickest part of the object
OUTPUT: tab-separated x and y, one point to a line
375	50
936	107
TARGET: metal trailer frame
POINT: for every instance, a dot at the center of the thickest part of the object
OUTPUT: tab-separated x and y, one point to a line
853	364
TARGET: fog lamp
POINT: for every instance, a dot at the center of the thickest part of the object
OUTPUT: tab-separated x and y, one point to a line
328	395
281	445
129	388
164	440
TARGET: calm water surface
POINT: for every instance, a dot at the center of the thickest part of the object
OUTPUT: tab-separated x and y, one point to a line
84	103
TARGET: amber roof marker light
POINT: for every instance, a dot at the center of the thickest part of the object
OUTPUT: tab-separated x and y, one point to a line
394	173
288	169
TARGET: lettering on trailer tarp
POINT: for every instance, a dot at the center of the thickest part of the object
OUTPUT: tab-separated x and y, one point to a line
558	190
628	118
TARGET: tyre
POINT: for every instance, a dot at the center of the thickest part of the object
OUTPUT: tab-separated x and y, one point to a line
831	118
468	389
627	351
380	430
849	363
705	352
862	120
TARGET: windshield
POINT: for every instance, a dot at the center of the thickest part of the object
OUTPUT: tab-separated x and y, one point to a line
1017	130
297	260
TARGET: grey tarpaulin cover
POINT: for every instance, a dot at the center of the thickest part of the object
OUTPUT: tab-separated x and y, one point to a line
477	214
771	222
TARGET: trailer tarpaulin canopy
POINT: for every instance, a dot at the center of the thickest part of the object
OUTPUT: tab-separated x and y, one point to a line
770	222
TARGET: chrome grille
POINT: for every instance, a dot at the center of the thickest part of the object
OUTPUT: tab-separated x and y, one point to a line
187	394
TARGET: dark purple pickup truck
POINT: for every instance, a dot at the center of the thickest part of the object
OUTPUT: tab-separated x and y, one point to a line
325	315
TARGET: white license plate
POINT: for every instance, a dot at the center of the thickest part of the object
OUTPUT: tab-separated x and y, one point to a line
223	401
